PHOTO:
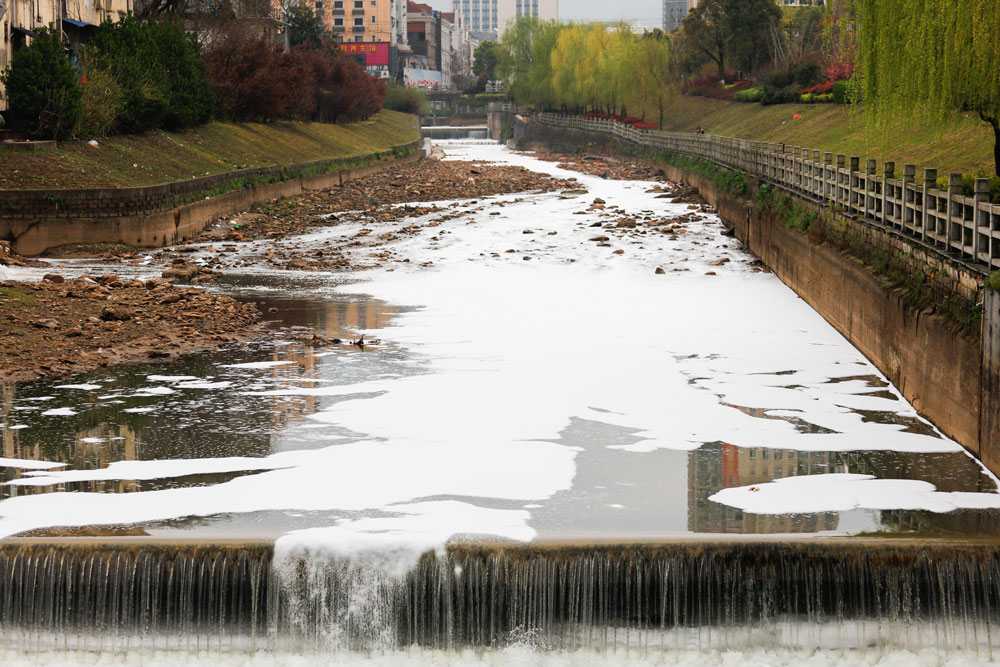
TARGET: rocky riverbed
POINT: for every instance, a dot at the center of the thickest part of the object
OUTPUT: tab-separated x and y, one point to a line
59	327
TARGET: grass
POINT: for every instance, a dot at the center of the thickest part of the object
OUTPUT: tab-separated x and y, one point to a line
11	294
963	144
159	157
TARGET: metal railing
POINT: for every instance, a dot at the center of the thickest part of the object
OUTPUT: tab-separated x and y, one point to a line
955	225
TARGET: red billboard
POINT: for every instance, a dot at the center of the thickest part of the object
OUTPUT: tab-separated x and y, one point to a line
376	53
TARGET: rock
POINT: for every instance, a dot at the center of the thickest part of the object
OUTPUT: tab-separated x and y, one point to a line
598	200
110	314
299	263
171	298
710	273
45	324
659	271
618	252
599	239
109	278
53	278
528	231
626	224
718	262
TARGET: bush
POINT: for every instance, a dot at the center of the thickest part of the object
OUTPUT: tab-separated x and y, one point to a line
189	98
840	92
992	283
407	100
129	51
749	95
42	89
101	100
788	95
807	74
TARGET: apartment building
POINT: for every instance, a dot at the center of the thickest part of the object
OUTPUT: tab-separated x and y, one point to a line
478	16
511	10
373	31
20	19
674	12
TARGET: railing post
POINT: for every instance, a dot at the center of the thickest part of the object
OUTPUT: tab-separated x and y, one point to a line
955	214
909	175
871	166
842	197
817	182
981	217
930	183
854	181
888	173
829	181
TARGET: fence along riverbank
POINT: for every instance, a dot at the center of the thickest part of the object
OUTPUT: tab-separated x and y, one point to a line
957	227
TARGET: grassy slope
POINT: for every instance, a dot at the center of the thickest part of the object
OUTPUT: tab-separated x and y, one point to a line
960	145
214	148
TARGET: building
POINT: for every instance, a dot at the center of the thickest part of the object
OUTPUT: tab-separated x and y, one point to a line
674	12
19	19
374	31
478	16
511	10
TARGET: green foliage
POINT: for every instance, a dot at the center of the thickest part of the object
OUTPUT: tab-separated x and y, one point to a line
841	93
305	27
486	59
43	93
128	49
749	95
930	57
407	100
190	100
733	32
525	64
101	99
992	283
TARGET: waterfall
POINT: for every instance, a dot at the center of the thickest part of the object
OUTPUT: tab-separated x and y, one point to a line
636	598
438	133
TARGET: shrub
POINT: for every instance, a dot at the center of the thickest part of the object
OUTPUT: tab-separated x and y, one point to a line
101	100
129	51
992	283
840	92
788	95
189	98
408	100
42	89
749	95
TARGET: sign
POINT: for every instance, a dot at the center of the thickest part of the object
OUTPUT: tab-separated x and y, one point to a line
376	54
422	78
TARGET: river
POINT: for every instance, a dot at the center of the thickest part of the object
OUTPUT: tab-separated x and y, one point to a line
529	385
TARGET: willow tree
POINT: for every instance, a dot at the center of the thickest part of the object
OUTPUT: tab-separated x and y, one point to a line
566	60
525	60
654	70
931	57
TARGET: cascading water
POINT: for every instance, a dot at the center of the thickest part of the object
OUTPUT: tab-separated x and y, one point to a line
438	133
639	599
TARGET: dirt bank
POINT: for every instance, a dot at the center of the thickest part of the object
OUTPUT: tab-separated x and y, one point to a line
52	329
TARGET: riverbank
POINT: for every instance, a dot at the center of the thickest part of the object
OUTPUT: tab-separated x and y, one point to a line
216	148
58	327
960	143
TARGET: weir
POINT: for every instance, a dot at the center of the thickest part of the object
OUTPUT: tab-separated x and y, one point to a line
729	593
439	133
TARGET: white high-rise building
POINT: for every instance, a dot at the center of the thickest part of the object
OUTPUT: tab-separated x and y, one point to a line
674	12
478	16
511	10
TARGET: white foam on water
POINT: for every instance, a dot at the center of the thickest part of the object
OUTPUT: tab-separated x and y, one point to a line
258	364
515	656
153	391
841	492
171	378
140	410
29	464
85	387
59	412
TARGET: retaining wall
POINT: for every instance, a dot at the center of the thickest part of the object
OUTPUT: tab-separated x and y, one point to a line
951	379
34	221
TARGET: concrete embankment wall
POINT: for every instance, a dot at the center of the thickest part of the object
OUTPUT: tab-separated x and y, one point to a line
952	379
36	221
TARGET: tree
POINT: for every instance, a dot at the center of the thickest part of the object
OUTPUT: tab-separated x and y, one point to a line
128	50
485	60
43	93
654	70
931	57
305	28
525	60
705	32
189	98
749	25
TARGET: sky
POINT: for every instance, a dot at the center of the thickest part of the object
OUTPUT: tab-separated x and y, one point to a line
649	12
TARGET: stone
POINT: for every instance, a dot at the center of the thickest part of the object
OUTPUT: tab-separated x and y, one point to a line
53	278
110	314
659	271
618	252
718	262
45	324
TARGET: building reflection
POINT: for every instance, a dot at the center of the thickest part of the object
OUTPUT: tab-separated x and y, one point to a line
718	466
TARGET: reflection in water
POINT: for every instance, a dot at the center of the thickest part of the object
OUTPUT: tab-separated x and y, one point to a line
112	422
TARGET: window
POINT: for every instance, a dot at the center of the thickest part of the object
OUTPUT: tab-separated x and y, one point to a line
373	18
338	21
359	4
338	4
319	5
359	38
359	21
